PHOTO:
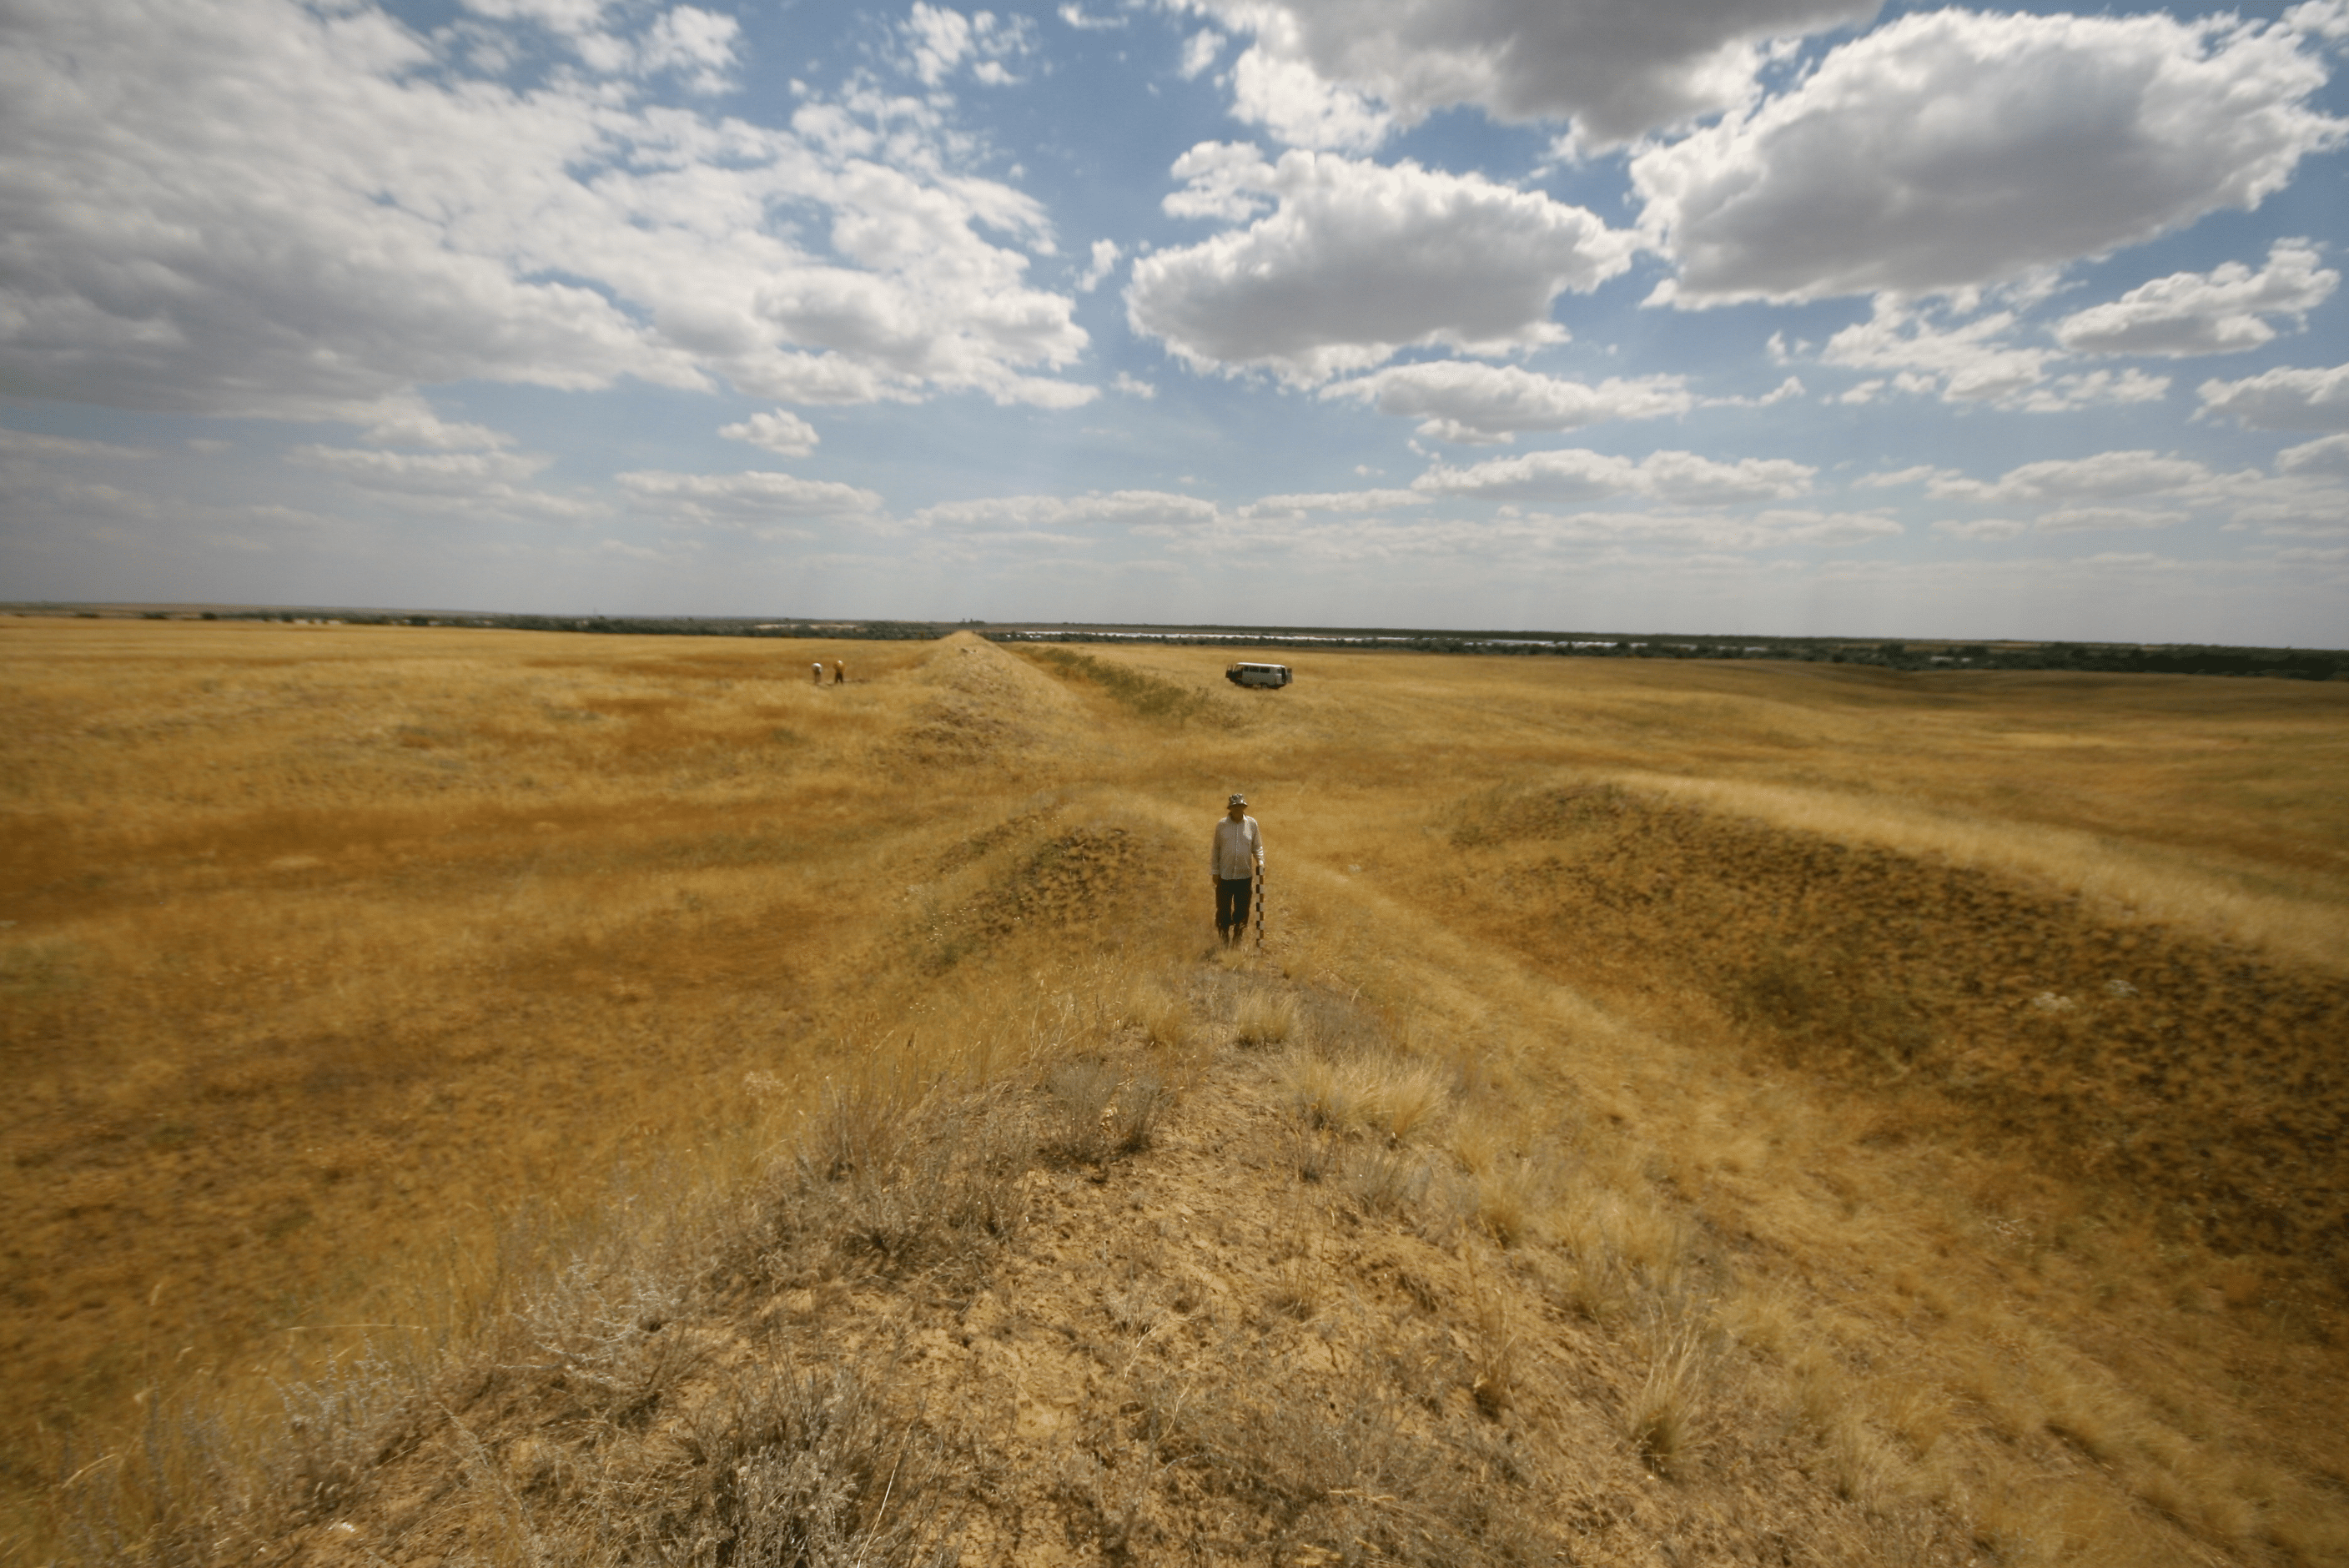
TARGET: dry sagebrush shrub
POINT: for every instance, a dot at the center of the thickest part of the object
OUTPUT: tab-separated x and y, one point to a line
1104	1112
938	1184
607	1330
1342	1464
802	1469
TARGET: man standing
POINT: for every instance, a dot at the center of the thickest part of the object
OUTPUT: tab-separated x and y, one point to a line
1236	856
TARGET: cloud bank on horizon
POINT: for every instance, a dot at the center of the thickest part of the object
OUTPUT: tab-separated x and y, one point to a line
1763	316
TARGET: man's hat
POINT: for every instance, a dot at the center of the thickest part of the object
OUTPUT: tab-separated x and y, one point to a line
1237	800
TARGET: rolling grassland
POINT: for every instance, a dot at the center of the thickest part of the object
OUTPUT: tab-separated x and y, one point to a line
505	1098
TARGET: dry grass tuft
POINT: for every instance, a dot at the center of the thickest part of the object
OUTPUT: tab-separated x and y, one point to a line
1264	1018
1763	1318
1494	1357
1513	1200
1408	1098
1665	1416
1163	1017
1864	1468
1920	1415
1387	1182
1388	1097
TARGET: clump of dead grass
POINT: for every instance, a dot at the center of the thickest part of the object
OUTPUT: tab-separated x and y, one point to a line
1386	1182
1391	1098
1265	1017
1163	1017
1665	1416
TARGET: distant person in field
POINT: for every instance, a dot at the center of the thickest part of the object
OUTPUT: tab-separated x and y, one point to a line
840	672
1236	855
817	668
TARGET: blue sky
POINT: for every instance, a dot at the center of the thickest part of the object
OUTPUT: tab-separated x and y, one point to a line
1774	317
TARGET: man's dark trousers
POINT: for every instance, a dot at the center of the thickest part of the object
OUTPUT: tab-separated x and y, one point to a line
1232	903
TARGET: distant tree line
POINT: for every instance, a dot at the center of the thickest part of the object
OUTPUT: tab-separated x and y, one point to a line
2118	658
624	626
2124	658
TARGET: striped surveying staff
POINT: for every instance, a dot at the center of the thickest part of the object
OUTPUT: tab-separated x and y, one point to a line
1235	859
1260	903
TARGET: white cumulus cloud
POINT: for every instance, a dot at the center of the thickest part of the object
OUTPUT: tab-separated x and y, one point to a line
1952	148
2105	518
2218	312
779	430
1576	473
697	45
1045	513
1333	500
2327	455
424	473
1199	51
1974	361
1357	261
1103	263
1969	362
745	500
409	421
938	39
1766	530
2103	477
2285	399
1616	69
1477	404
1301	107
259	207
2096	387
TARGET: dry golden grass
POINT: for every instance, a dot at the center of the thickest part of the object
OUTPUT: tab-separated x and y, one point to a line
1907	1104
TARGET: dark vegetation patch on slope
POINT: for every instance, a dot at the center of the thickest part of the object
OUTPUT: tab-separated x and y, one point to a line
1140	693
2207	1080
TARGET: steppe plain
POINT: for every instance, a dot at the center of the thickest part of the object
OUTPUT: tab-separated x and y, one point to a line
504	1097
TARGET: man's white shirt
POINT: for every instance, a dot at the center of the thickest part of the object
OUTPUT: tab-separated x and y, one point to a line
1238	847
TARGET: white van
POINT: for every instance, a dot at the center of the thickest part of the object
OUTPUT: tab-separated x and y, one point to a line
1257	675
